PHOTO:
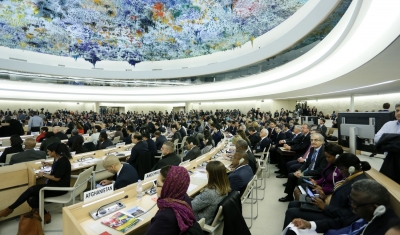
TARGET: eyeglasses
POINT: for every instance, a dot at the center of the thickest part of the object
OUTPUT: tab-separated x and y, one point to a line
356	205
314	140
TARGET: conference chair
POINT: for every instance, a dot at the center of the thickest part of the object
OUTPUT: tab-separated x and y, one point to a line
99	173
90	146
264	160
6	142
116	139
79	187
202	222
182	145
216	227
143	164
248	194
8	159
176	146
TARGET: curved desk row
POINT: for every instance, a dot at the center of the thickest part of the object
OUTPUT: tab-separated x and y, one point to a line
76	218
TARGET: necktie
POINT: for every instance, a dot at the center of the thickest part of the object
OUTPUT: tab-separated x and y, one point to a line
307	152
313	158
294	137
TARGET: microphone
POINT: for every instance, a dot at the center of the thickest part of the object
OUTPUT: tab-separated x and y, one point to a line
97	213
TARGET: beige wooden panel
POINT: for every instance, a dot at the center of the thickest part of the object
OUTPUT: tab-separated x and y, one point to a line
13	175
9	196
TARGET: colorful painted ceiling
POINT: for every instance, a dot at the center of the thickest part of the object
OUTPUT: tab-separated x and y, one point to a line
137	30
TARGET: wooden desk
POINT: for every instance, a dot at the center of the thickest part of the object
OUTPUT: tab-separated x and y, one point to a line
284	152
76	218
390	185
15	180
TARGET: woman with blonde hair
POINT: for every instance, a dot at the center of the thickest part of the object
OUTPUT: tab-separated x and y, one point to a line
236	138
243	135
206	203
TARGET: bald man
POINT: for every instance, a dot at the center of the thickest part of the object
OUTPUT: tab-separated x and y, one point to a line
30	154
241	172
58	133
125	174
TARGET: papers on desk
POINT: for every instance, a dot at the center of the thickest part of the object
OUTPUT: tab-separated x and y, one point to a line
202	174
136	211
191	187
46	169
120	221
298	231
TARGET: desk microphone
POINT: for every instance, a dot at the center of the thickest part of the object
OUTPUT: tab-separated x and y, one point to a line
97	213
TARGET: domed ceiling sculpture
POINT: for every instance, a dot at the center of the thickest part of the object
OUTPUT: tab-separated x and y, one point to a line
137	30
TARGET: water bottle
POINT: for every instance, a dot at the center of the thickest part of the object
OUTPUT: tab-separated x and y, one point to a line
139	189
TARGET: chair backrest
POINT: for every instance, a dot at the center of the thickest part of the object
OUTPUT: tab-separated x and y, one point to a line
248	189
8	157
90	146
143	164
99	166
6	142
335	133
218	217
183	141
259	171
81	182
202	222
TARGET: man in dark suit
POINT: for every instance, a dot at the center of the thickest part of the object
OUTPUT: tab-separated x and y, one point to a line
181	130
125	174
193	149
254	137
56	122
313	167
287	131
160	140
169	157
49	139
241	173
74	135
58	133
128	139
141	147
177	135
264	142
29	154
242	146
280	135
370	202
321	127
103	141
271	131
299	144
86	125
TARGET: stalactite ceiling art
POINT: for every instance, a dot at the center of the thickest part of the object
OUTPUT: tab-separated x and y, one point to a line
137	30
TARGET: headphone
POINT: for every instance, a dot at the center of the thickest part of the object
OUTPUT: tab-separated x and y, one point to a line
351	170
380	210
241	161
191	143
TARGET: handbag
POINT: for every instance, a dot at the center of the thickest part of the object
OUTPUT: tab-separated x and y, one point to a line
30	223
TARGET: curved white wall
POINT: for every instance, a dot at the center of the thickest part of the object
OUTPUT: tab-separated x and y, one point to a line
269	44
366	29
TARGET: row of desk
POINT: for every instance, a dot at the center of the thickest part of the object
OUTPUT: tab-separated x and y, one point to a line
19	177
76	218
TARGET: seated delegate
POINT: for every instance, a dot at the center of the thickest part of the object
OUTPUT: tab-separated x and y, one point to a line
352	170
59	176
331	174
206	203
175	215
371	213
124	174
16	147
29	154
103	141
241	172
193	149
169	157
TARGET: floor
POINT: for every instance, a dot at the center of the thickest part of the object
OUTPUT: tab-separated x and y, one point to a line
270	211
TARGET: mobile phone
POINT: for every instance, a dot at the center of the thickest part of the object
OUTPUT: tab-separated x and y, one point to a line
99	186
308	182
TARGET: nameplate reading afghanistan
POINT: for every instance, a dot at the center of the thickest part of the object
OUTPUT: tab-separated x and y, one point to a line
98	193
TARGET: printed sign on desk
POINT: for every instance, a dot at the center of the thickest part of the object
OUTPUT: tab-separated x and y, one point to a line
151	174
98	193
184	163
